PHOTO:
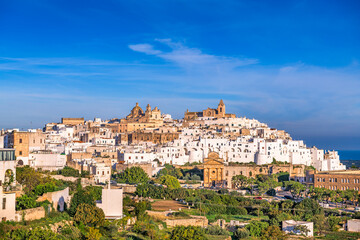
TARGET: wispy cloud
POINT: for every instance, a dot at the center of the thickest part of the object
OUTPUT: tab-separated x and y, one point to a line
194	57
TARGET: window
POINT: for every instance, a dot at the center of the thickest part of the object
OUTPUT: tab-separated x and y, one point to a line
4	203
20	153
20	140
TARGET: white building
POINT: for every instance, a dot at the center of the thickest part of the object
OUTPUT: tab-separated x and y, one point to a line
289	226
7	181
353	225
47	160
101	172
111	203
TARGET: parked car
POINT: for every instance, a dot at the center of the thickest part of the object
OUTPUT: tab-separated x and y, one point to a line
357	209
288	197
258	198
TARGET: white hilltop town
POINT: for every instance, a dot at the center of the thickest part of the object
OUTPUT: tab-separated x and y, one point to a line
149	137
150	140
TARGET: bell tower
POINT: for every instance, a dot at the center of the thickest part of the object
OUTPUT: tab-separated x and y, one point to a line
221	109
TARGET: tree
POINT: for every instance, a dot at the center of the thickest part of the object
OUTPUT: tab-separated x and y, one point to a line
93	234
320	223
89	215
133	175
170	181
95	191
251	182
241	233
333	223
256	228
239	181
141	207
308	208
187	233
296	189
302	229
273	233
37	233
69	172
263	187
170	170
25	202
28	177
81	196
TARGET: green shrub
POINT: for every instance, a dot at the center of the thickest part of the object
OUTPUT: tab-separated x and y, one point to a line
241	233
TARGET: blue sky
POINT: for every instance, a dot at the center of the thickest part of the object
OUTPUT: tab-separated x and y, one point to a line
292	64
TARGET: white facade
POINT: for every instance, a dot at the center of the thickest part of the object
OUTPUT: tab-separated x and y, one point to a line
7	197
103	141
101	172
353	225
288	226
47	161
112	203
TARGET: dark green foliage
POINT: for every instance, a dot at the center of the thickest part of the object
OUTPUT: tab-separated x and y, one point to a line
141	207
282	177
44	188
296	188
192	174
256	228
89	215
68	172
81	196
34	234
25	202
132	175
308	208
187	233
70	232
169	181
241	233
170	170
95	191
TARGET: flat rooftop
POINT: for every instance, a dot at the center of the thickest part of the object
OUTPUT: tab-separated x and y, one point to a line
347	172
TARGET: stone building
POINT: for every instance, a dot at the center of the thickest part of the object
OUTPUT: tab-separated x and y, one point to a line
218	112
72	121
338	180
25	143
213	170
137	120
218	173
154	137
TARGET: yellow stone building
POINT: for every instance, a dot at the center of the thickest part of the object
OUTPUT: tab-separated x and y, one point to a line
213	170
219	112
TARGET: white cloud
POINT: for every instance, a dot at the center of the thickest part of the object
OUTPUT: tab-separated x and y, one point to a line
191	57
144	48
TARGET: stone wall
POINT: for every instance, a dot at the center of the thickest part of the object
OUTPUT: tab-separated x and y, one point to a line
159	215
84	181
58	198
199	221
31	214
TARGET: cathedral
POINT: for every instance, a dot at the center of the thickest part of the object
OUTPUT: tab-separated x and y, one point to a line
218	112
138	115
